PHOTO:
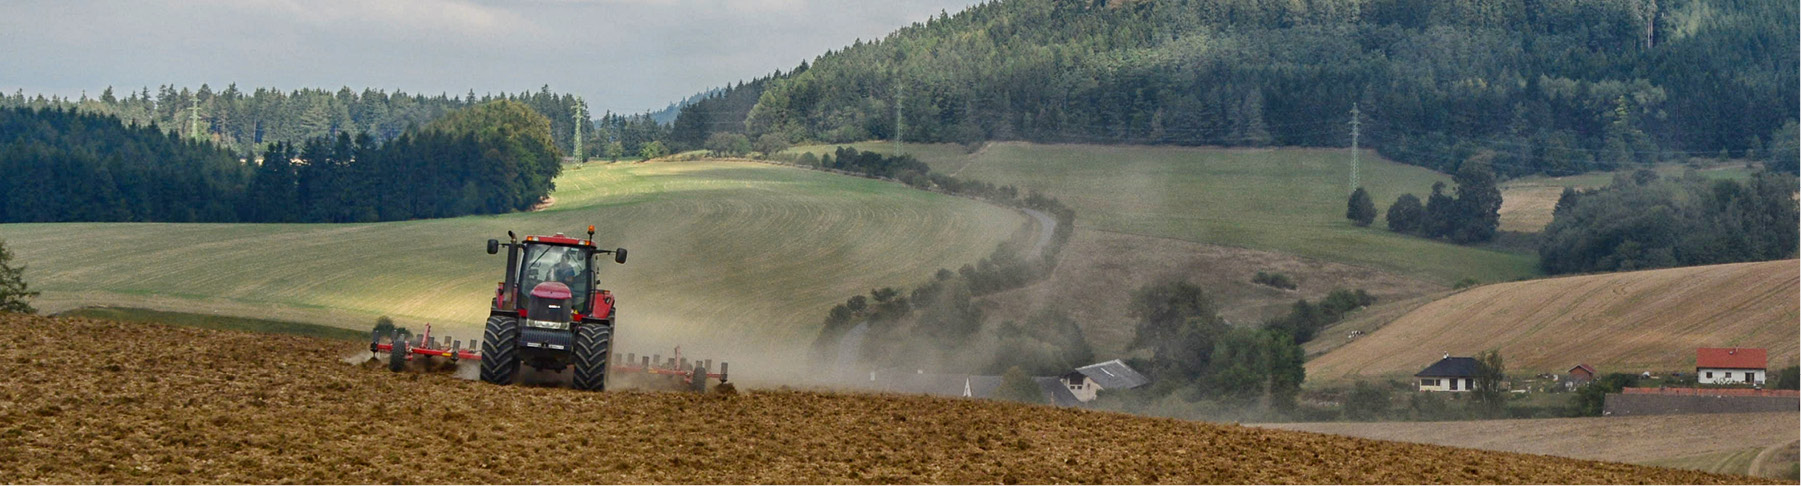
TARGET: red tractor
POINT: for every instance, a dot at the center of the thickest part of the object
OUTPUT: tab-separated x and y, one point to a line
548	314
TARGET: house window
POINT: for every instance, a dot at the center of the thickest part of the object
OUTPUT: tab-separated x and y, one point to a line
1729	376
1710	375
1429	382
1453	384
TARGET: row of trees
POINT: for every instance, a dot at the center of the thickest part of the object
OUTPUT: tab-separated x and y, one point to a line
1551	86
70	166
246	123
1643	221
1472	216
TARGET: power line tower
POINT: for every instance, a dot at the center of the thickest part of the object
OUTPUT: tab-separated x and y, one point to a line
900	97
194	119
1356	125
581	112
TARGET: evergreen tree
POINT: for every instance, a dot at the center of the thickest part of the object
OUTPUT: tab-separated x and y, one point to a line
15	295
1361	211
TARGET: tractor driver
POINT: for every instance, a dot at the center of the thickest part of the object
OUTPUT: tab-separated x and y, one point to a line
566	271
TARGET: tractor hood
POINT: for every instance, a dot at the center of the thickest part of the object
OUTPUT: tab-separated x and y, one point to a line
549	306
552	290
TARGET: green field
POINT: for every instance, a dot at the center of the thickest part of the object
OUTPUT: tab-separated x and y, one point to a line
209	321
1288	200
724	256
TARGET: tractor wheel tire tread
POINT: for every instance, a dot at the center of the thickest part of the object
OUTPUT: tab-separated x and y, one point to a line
593	344
500	350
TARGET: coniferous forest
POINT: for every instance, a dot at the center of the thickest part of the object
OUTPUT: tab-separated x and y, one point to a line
1549	86
63	165
246	123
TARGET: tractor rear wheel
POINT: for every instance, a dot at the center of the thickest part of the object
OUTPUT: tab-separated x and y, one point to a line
698	380
500	350
593	344
397	355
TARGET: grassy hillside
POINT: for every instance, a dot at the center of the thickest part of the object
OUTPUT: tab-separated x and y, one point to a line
75	409
1620	322
725	257
1718	443
1287	200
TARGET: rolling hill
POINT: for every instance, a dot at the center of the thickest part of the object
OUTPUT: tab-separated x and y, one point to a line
187	405
1286	200
1620	322
727	259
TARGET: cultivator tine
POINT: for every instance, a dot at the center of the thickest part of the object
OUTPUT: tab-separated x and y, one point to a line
631	358
708	364
374	340
646	364
723	366
682	365
656	359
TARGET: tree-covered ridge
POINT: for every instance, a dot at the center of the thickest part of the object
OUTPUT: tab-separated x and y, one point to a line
1643	222
68	166
1555	86
248	122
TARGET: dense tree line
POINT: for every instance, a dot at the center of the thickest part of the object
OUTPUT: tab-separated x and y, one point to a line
62	165
69	166
246	123
1305	319
1553	86
938	325
1471	217
1196	355
1643	221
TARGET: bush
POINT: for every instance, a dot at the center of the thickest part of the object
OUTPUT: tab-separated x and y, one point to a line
1277	280
1367	402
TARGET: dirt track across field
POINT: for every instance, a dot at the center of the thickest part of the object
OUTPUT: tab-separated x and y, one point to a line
87	401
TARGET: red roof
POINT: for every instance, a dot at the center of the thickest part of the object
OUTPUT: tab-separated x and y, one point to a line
1735	358
1584	367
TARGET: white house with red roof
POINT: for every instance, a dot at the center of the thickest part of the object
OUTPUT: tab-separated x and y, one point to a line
1723	366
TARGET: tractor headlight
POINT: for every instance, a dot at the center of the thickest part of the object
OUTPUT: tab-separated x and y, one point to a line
560	326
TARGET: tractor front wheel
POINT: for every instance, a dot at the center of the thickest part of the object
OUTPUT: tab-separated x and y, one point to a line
593	344
500	350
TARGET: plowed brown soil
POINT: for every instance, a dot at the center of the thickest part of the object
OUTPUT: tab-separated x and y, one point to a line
87	401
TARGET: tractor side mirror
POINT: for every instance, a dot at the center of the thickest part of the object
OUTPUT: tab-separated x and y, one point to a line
619	255
493	246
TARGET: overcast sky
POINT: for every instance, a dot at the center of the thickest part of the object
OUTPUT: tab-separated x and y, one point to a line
620	55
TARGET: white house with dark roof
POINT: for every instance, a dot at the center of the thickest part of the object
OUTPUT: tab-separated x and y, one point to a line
1452	374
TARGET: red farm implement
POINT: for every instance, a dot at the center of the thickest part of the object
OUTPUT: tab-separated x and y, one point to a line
400	350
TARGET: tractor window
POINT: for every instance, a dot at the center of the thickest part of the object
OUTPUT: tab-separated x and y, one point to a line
547	263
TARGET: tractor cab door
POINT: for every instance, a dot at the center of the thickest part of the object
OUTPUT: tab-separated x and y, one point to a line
555	263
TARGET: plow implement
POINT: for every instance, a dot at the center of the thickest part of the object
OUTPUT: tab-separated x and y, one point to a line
399	349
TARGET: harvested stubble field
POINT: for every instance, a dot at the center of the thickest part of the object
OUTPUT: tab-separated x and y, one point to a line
90	401
1649	320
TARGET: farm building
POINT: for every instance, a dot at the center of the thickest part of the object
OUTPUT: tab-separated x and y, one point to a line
1454	374
1720	366
1582	373
1110	375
